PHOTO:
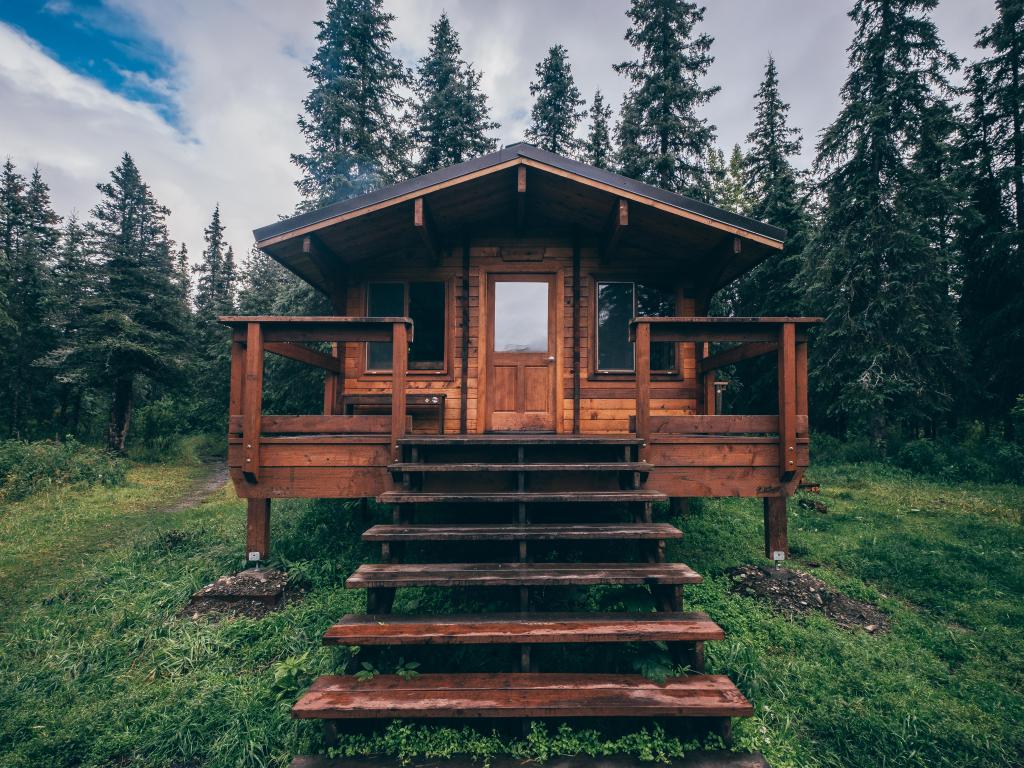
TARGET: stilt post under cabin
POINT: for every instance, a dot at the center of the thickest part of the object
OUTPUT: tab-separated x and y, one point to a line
776	535
257	530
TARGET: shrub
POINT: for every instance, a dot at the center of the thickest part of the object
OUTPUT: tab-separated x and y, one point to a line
922	456
26	468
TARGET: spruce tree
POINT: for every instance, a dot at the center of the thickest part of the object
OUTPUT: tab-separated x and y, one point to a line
34	236
557	107
450	118
775	196
183	277
991	234
215	273
74	284
131	329
879	268
598	150
662	139
728	188
354	137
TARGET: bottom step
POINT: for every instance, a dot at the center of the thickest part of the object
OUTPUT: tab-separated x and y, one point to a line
699	759
499	695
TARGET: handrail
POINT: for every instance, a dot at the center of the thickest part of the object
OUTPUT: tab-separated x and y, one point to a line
756	336
254	336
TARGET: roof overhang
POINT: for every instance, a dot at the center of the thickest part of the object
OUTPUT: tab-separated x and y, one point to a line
518	184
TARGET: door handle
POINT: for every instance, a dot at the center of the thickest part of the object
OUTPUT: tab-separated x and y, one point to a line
551	359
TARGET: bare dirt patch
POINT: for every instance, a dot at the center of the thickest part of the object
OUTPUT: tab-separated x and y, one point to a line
793	592
252	592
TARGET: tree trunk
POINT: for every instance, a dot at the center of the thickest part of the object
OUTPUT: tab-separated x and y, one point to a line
120	414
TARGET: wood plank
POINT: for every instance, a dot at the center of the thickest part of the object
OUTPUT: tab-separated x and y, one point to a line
424	225
387	575
314	483
275	454
538	497
520	198
304	355
531	532
694	759
337	425
720	425
487	628
252	405
522	438
735	355
503	695
597	466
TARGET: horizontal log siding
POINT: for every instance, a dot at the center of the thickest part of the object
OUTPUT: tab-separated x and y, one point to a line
606	403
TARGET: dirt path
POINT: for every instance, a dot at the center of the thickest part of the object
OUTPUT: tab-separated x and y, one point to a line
201	490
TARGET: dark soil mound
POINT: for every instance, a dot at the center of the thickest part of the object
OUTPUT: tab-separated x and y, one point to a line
794	592
253	592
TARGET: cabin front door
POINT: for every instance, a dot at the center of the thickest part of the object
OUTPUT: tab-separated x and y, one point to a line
522	371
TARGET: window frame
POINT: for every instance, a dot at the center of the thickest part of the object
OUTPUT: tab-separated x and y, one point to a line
663	374
433	372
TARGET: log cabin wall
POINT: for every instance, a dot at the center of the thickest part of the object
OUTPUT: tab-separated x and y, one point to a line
607	401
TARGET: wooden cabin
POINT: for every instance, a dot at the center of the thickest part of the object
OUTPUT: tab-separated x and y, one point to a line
520	329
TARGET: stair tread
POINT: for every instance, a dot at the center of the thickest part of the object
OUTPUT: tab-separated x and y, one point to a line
519	438
470	629
507	466
531	532
692	759
386	575
521	694
409	497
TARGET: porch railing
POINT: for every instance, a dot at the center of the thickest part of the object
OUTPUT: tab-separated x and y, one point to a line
253	337
786	337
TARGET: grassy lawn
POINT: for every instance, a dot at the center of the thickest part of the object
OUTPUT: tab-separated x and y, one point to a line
98	668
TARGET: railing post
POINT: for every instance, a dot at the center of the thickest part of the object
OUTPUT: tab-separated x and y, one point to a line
802	408
334	383
237	377
252	402
643	381
707	381
399	363
787	401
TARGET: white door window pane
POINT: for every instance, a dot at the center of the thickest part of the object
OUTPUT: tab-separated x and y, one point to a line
520	317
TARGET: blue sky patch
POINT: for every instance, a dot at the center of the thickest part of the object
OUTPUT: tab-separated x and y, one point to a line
102	43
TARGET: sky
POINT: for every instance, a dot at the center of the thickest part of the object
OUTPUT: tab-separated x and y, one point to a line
204	94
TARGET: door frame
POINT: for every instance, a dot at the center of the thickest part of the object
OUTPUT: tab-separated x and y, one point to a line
485	337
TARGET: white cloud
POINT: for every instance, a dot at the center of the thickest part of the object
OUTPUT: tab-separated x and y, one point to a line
235	84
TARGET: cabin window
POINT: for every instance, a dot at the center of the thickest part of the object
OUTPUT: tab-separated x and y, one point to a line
424	303
617	304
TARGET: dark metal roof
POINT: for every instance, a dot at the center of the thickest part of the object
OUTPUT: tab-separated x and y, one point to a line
505	155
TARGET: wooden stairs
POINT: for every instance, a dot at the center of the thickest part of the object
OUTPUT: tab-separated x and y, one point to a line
509	506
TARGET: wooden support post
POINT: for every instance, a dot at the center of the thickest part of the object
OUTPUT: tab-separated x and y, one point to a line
618	220
257	530
425	226
464	382
333	385
679	506
576	331
399	362
520	199
252	403
787	401
707	382
643	383
801	379
237	378
776	536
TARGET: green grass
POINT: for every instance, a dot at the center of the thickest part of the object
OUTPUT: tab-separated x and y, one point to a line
98	668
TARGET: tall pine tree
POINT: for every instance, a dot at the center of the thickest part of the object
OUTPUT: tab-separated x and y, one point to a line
598	150
879	269
30	236
775	196
215	281
354	136
131	330
991	237
450	118
557	107
662	139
